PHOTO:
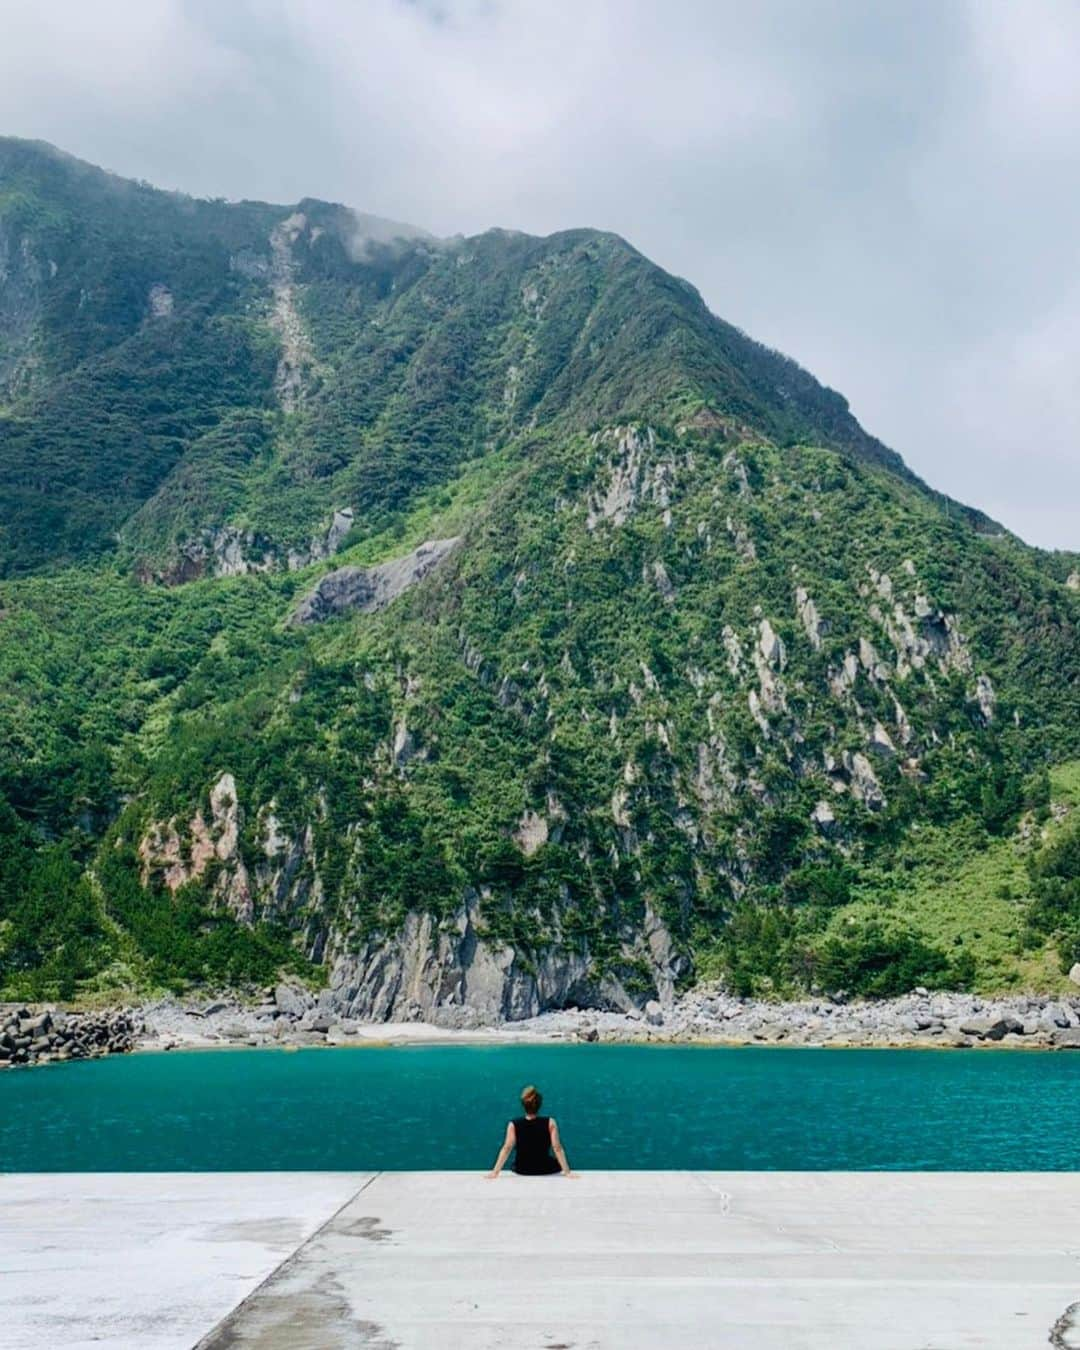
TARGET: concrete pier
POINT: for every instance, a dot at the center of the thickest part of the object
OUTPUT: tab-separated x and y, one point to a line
426	1260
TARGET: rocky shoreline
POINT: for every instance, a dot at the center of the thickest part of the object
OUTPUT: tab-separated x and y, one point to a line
290	1016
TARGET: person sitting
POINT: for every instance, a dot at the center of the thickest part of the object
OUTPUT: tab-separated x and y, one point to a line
534	1138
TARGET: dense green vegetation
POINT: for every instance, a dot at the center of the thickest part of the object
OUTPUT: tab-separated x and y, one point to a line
1054	877
706	655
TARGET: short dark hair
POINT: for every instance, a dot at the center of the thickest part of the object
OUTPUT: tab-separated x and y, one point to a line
531	1100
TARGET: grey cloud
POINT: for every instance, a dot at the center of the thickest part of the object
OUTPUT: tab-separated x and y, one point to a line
889	193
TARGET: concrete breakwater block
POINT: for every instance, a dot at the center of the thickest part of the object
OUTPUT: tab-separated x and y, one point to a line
28	1037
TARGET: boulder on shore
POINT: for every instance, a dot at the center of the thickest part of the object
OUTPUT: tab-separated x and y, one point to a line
293	1000
991	1028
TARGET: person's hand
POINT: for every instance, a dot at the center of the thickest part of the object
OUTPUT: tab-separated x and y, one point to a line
573	1176
491	1176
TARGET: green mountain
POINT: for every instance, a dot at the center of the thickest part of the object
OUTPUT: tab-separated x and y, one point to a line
481	625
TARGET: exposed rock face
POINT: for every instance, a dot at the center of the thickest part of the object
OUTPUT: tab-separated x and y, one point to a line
624	484
662	582
228	551
453	976
324	545
180	854
842	678
225	551
734	465
863	781
771	647
985	697
368	589
880	741
1073	581
714	781
283	880
293	1000
733	648
531	833
823	817
159	301
809	617
404	748
924	635
635	475
871	662
741	541
770	697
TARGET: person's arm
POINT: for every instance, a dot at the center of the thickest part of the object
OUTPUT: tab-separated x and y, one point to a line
504	1152
557	1148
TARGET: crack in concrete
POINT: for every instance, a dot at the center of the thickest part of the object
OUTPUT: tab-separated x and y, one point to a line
227	1334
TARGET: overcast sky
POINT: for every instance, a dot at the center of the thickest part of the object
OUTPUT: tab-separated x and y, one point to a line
888	192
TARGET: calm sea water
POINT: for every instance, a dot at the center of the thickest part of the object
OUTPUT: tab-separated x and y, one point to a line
617	1106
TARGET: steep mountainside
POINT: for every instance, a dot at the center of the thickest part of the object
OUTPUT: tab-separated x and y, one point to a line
484	622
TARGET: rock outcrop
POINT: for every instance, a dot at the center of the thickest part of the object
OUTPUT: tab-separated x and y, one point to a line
816	628
225	551
180	853
635	473
229	551
365	590
326	544
454	975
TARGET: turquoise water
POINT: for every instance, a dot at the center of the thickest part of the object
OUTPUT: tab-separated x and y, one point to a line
617	1106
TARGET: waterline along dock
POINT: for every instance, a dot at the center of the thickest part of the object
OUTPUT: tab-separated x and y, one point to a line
438	1260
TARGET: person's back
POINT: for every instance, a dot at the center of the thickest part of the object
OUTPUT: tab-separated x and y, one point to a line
532	1152
534	1139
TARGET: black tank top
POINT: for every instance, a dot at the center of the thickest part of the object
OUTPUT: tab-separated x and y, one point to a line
532	1155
